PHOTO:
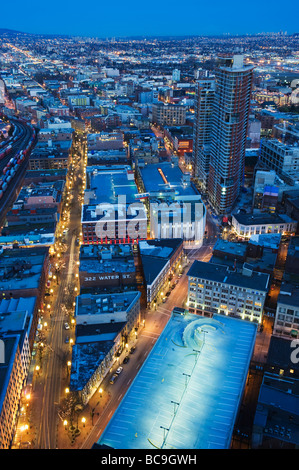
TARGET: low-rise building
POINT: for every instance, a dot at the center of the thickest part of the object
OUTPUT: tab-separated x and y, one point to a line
286	321
265	194
11	383
23	273
246	225
111	210
168	114
196	376
104	266
107	157
43	176
16	315
160	260
104	325
50	155
260	258
276	421
174	204
214	288
105	141
282	158
280	357
292	259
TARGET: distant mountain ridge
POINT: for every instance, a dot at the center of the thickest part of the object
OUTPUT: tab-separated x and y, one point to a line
13	32
10	31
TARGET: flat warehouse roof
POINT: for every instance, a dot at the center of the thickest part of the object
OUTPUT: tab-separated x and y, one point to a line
109	185
188	391
157	176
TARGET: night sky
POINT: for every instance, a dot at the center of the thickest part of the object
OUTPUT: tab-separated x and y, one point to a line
121	18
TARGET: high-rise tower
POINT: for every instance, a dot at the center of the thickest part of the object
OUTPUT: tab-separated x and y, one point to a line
204	100
229	122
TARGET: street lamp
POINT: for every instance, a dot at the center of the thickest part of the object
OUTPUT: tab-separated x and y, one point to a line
65	424
67	390
83	421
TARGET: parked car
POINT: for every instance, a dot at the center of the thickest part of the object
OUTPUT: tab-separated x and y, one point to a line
67	339
132	350
119	370
113	378
126	359
66	326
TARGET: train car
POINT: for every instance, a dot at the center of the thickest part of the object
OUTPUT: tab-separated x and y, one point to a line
5	152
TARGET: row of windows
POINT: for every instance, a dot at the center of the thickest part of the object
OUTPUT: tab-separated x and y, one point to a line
288	311
201	284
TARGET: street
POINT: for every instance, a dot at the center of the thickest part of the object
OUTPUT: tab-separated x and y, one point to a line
50	372
51	379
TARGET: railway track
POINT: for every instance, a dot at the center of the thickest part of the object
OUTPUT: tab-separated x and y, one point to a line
22	141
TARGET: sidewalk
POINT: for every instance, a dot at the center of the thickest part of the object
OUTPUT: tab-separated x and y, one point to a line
66	438
97	404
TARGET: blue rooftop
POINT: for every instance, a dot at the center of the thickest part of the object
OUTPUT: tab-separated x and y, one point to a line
188	391
108	185
154	182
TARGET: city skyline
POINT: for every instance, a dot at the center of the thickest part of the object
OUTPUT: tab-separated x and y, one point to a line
149	231
151	21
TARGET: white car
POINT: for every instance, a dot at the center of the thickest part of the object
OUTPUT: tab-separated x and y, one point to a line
66	326
119	370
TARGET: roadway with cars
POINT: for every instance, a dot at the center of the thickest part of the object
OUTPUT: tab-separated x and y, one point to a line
155	322
49	382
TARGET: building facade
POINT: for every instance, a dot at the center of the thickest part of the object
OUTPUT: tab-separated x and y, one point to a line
229	131
246	225
203	107
284	159
286	321
214	288
168	114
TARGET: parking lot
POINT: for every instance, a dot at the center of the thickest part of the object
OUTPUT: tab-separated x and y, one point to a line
195	374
